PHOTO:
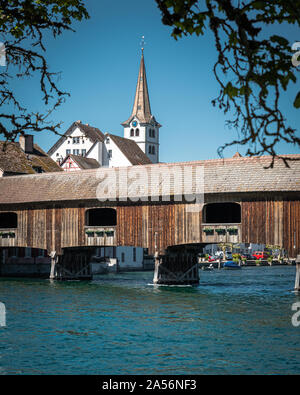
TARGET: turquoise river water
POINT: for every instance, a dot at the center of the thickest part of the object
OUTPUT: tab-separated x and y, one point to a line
234	322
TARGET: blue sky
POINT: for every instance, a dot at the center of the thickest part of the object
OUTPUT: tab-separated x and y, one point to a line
99	65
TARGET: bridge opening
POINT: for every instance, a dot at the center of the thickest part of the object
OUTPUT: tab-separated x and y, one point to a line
222	213
101	217
8	220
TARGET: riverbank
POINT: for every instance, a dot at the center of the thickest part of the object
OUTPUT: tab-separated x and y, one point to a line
251	263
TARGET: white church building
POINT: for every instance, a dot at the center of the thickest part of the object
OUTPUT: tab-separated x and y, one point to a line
84	147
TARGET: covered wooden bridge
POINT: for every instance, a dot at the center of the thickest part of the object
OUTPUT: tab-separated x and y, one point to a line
155	206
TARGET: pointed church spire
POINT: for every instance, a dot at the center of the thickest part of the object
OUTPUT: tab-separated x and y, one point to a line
141	107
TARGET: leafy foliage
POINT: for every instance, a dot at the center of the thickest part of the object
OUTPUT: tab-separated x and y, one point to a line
252	69
23	25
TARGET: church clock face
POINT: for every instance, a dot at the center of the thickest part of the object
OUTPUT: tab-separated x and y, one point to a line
134	124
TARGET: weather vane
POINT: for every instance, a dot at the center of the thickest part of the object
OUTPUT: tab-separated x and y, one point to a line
143	43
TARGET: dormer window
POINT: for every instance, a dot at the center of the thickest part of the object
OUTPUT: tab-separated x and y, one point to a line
38	169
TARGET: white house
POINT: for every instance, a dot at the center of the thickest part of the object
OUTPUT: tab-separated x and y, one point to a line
120	151
80	140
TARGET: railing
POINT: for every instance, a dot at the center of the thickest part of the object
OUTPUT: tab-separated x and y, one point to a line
100	235
221	233
8	237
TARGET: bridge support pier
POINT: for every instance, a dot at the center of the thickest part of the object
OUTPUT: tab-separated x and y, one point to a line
74	264
297	280
54	259
176	270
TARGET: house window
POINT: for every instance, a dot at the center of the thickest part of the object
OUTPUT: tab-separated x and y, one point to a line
134	254
123	257
14	252
68	151
75	151
27	252
76	140
110	154
152	133
137	132
131	132
40	253
107	140
151	150
83	152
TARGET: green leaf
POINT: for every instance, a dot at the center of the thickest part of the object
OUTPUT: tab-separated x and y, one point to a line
297	101
280	40
258	5
231	90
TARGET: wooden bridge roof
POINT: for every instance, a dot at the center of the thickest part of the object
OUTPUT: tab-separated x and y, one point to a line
220	176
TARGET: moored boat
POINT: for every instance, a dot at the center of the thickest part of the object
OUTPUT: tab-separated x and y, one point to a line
230	265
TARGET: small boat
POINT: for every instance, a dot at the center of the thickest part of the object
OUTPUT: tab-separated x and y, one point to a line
230	265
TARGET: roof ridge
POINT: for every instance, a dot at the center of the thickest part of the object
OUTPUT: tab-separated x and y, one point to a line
208	161
81	126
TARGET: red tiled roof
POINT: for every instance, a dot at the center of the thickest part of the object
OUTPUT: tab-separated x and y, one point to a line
83	162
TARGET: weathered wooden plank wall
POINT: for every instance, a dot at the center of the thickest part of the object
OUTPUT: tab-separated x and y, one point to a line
269	221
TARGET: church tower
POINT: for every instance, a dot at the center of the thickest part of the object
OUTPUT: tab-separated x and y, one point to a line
142	127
